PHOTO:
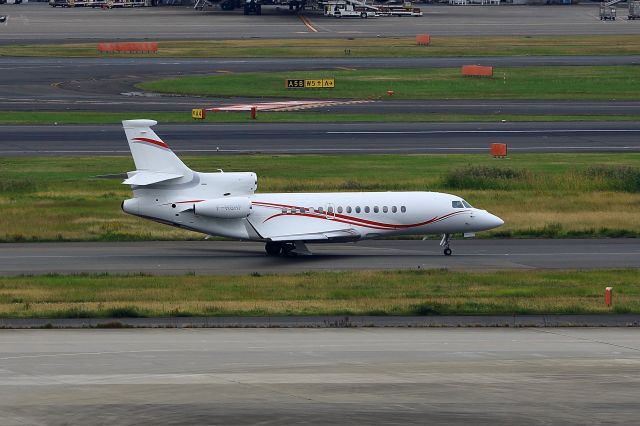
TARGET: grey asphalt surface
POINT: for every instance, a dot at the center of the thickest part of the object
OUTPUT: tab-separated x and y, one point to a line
328	138
37	22
216	257
347	376
108	84
331	321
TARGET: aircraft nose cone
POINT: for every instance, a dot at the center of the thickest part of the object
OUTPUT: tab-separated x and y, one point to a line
494	221
486	221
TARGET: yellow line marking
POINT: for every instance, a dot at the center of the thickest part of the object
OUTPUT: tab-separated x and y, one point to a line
307	24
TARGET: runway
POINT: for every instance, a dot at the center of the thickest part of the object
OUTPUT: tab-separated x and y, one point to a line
346	376
323	138
217	257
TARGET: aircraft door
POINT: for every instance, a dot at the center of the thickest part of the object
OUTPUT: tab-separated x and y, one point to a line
331	211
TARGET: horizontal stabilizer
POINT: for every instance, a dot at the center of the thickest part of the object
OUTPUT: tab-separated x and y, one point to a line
149	178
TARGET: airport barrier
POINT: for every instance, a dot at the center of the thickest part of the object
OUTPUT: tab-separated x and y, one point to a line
128	47
477	71
499	150
423	39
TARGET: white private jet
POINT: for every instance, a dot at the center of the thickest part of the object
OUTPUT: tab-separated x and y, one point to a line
226	204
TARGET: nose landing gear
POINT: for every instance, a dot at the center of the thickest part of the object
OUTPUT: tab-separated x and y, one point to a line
445	243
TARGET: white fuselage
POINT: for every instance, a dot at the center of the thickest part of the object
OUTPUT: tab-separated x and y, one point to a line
347	215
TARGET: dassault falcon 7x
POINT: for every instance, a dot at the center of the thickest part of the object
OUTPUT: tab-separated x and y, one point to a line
226	204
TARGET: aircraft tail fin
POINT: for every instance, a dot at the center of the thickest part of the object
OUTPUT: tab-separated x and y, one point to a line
149	152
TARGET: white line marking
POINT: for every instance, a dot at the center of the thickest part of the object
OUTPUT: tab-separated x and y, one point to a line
100	255
420	132
394	149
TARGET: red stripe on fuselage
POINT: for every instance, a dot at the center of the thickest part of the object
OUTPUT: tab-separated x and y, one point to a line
153	142
354	220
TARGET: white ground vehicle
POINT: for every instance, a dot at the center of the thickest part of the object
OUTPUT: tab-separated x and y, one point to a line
394	10
68	3
341	9
116	3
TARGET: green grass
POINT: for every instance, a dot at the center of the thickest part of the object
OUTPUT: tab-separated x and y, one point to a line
359	47
82	117
431	292
558	83
551	195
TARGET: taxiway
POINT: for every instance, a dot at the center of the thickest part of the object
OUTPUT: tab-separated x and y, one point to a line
328	138
228	257
323	376
37	22
108	84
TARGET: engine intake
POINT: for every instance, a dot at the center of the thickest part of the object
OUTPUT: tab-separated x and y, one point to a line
224	208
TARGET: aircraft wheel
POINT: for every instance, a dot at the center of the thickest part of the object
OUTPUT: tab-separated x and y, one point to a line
287	250
447	251
273	249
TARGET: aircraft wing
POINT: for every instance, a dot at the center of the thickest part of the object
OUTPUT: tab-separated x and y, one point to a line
342	234
280	227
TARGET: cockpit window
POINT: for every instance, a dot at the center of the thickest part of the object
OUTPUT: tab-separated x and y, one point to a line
457	204
467	205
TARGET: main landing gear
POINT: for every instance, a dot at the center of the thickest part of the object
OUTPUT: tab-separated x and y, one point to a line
445	243
285	249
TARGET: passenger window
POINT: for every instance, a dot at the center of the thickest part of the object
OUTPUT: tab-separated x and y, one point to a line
302	210
339	209
457	204
330	210
284	210
394	209
320	210
366	209
403	209
385	209
292	211
357	209
311	210
348	209
376	209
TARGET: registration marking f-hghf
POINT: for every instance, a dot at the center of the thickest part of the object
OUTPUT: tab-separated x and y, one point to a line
324	83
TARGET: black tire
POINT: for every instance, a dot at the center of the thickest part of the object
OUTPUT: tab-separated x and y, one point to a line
447	251
363	15
273	249
287	250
